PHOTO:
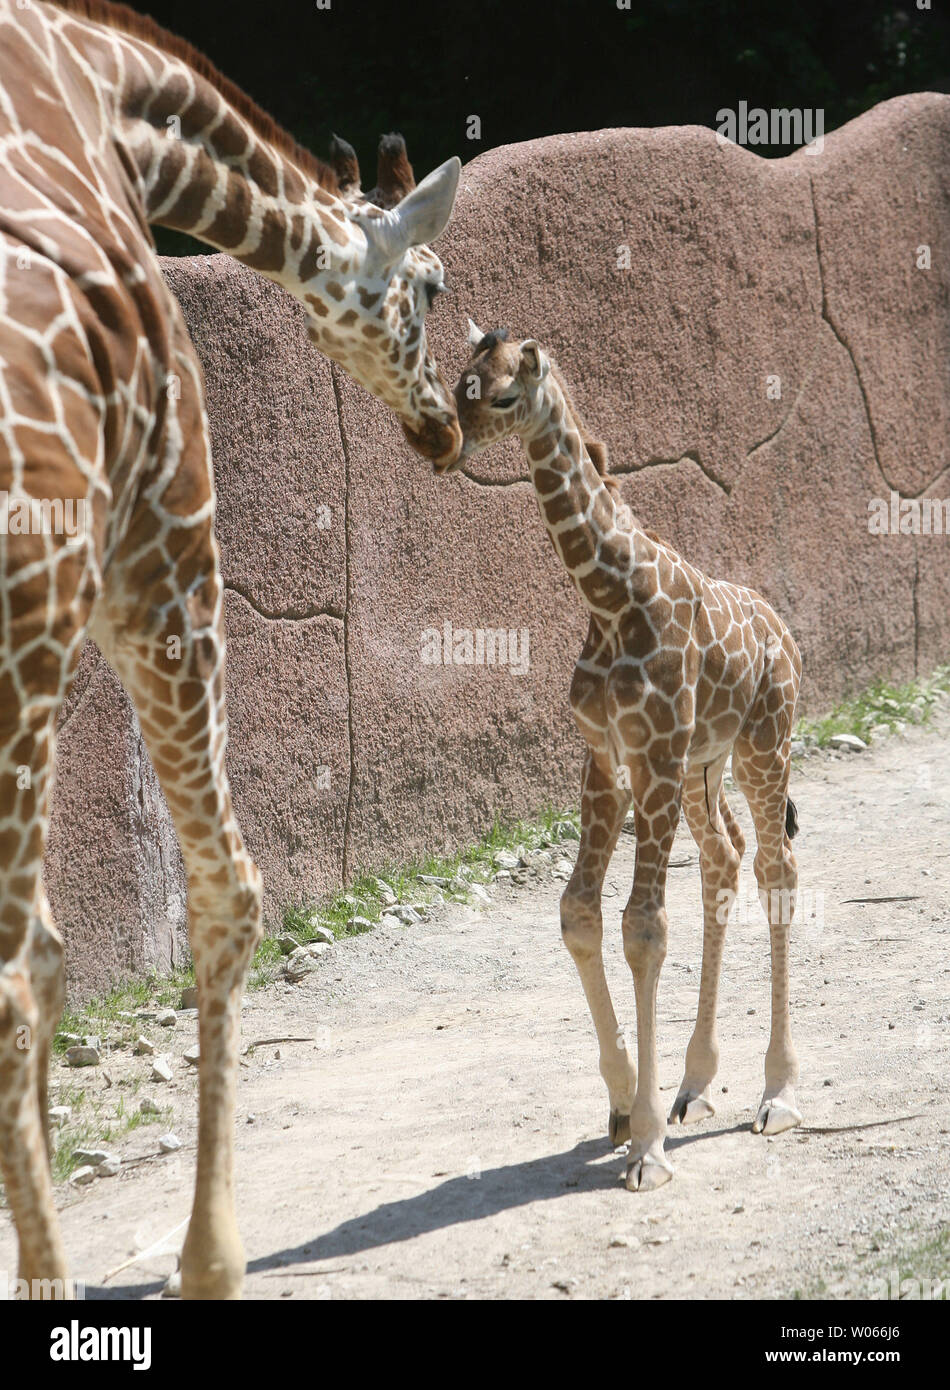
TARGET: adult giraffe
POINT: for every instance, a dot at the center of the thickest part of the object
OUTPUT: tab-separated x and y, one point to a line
108	124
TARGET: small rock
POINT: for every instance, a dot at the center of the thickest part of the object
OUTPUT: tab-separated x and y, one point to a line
827	1081
504	859
252	1119
93	1156
287	943
502	876
479	894
161	1069
59	1115
169	1143
82	1176
172	1287
619	1241
406	914
879	731
850	743
144	1047
386	895
108	1167
82	1056
147	1106
191	1055
357	924
189	998
563	868
797	748
167	1018
322	934
389	921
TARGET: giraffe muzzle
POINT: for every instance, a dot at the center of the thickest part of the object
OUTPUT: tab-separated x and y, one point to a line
438	441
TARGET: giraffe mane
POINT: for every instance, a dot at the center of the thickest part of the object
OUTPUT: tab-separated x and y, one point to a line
140	26
596	448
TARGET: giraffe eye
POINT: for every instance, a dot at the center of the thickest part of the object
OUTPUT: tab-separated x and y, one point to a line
503	402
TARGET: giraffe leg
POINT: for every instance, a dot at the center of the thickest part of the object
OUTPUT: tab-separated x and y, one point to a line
763	778
48	584
657	794
179	698
47	964
30	1005
718	840
602	811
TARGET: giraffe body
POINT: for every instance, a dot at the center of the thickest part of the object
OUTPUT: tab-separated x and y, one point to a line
678	672
107	125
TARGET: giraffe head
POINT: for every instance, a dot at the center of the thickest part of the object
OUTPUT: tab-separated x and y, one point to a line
500	392
369	302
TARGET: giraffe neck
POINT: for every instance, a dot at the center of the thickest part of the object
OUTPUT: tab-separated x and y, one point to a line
593	531
200	166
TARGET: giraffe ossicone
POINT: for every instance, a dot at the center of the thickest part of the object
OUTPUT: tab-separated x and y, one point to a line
678	672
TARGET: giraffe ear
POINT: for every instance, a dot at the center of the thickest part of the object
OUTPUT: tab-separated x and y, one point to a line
534	365
419	218
475	334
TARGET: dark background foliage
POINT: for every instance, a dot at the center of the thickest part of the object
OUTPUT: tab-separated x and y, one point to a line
528	68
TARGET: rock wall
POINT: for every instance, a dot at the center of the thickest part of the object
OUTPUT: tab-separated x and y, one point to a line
340	549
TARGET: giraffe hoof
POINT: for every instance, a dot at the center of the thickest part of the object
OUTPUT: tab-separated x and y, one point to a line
647	1172
691	1106
775	1116
618	1129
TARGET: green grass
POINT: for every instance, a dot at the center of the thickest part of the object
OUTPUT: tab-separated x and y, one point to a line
881	704
921	1256
97	1121
914	1256
151	991
367	897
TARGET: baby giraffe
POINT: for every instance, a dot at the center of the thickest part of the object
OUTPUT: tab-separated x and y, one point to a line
678	671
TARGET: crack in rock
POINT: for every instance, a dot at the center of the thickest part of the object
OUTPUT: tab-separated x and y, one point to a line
283	615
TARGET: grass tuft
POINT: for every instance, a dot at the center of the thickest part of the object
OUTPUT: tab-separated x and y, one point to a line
882	705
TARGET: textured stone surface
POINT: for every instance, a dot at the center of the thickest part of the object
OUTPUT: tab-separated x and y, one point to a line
340	548
113	868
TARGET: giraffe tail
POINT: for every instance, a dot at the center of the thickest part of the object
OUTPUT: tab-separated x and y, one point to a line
791	819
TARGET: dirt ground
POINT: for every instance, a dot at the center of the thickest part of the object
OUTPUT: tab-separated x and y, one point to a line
442	1133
